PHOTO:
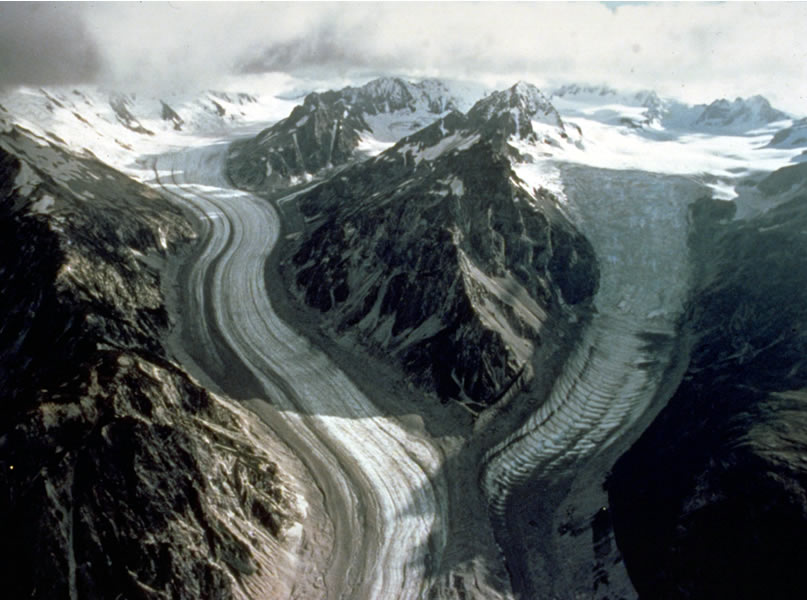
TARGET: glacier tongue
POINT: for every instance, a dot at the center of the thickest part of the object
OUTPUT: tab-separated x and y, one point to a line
379	476
637	223
605	386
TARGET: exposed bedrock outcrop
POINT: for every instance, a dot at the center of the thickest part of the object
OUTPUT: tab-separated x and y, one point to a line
120	476
327	130
447	267
710	503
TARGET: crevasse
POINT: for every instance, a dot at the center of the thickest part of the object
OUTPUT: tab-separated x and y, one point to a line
636	223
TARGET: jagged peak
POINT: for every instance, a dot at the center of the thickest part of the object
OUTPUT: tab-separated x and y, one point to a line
387	94
523	96
312	101
519	105
739	102
647	98
432	83
384	86
430	94
392	90
524	88
757	99
529	94
754	109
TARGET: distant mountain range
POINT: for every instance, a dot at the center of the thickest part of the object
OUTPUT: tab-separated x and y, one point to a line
721	116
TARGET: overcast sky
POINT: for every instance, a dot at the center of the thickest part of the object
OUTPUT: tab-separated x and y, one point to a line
690	50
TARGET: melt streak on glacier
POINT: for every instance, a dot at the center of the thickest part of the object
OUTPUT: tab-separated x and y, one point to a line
636	222
376	477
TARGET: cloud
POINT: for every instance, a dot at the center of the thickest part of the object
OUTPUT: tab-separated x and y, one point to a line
690	50
694	51
187	45
45	43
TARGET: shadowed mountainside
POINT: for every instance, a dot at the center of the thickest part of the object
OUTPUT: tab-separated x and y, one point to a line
120	476
710	503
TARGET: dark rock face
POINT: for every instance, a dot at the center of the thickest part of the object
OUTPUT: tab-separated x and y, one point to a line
446	264
120	104
169	114
106	488
710	503
325	131
722	113
794	136
120	476
510	112
317	134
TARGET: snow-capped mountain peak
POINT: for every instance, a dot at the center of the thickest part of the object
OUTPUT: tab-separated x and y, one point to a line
439	96
380	95
516	111
336	127
745	113
607	105
391	94
646	110
523	100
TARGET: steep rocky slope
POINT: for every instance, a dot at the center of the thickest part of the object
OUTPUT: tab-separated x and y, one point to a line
741	113
435	253
120	476
710	503
794	136
334	128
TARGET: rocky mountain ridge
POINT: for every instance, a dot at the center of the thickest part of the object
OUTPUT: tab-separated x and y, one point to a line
646	109
334	128
434	254
121	476
524	102
794	136
740	113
